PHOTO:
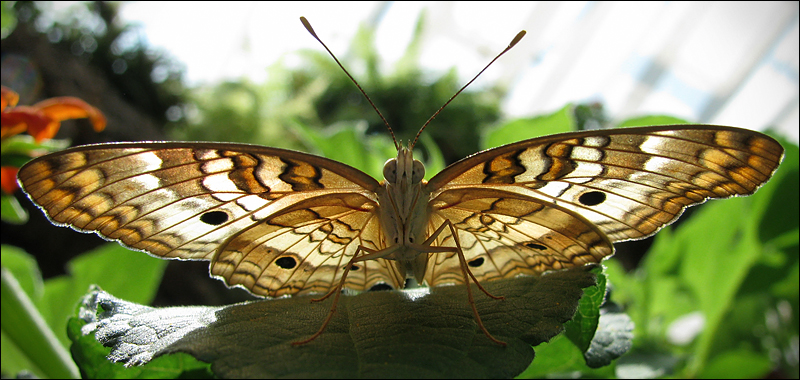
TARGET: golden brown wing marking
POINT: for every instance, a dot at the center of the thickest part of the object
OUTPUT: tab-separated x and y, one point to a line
302	176
557	162
243	172
503	168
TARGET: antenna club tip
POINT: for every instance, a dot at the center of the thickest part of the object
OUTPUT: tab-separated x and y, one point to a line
308	26
517	38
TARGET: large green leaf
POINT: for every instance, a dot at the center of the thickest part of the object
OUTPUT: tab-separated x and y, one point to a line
374	334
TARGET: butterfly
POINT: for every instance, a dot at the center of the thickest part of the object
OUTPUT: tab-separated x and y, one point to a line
279	222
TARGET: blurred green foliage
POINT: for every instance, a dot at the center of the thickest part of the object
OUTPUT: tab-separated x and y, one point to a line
319	95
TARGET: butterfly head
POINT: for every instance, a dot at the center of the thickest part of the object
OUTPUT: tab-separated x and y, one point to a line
403	170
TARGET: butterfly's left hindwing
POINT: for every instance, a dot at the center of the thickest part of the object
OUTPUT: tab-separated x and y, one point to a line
624	184
274	221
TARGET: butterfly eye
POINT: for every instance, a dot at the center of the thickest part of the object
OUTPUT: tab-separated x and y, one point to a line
390	171
417	172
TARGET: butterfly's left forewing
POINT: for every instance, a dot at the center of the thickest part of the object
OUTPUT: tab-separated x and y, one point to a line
274	221
616	184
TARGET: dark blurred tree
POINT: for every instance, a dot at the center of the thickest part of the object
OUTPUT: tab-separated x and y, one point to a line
91	55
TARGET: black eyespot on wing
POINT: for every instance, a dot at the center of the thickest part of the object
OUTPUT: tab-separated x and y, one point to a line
592	198
214	218
380	287
286	262
475	262
355	268
535	246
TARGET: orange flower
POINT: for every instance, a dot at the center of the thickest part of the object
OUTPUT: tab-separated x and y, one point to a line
8	179
8	98
43	119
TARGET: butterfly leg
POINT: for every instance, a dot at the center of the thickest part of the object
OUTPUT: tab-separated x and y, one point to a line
458	251
426	246
337	291
356	258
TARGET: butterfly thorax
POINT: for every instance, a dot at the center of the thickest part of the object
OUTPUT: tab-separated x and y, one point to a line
404	211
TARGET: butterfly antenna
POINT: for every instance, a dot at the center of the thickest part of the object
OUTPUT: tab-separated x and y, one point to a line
510	45
314	34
